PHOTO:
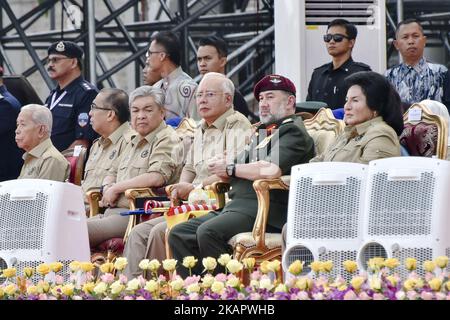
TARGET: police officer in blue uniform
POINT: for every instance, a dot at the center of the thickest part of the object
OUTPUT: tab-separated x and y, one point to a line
11	162
71	100
327	81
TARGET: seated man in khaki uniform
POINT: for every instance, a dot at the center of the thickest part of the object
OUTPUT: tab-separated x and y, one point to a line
41	160
147	161
221	129
109	115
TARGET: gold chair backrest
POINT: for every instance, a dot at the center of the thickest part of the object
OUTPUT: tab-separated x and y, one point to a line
323	128
428	118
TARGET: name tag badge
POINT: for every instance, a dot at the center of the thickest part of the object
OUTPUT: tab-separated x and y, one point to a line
415	114
77	150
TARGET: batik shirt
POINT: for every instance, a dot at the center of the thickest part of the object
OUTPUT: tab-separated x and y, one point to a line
423	81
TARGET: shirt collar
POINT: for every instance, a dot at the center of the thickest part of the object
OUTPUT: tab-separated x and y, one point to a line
39	150
277	123
361	129
220	122
343	66
419	67
151	136
115	136
173	75
70	85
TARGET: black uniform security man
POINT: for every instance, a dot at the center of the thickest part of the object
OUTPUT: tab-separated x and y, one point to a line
280	142
327	81
71	100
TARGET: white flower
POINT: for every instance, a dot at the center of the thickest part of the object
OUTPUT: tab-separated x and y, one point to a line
151	286
143	265
120	263
234	266
209	263
193	288
177	284
169	264
217	287
116	287
133	285
224	259
154	265
100	288
266	283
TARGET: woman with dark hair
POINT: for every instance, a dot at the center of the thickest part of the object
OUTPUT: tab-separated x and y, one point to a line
373	118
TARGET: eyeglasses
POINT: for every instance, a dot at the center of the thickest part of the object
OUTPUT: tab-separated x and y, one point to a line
56	59
95	107
337	37
149	53
207	94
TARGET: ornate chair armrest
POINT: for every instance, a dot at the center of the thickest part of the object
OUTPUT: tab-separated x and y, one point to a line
262	188
219	189
93	196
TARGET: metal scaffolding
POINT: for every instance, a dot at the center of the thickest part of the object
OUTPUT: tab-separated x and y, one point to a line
249	34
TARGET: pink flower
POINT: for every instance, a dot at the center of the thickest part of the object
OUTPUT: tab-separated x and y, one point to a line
123	279
426	295
162	278
59	279
190	280
440	296
400	295
350	295
194	296
412	295
255	275
378	296
107	278
43	296
364	296
221	277
140	298
128	298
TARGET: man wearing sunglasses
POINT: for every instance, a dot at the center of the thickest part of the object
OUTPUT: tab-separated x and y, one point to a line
70	101
327	81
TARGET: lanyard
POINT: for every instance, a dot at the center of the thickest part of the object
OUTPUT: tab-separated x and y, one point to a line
54	103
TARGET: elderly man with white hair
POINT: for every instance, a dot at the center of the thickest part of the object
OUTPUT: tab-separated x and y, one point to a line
41	160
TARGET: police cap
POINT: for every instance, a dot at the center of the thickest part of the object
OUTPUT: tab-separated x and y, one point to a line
67	48
274	82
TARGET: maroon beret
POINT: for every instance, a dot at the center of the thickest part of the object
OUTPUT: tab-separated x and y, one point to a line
274	82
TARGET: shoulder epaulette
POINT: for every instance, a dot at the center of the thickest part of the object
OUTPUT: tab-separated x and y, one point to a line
322	66
288	120
362	65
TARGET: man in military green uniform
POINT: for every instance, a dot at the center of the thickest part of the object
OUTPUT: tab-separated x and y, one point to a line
179	88
109	118
41	159
148	161
221	129
280	142
327	81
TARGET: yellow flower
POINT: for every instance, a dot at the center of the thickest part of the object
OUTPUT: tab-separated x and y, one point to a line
169	264
43	286
316	266
375	283
234	266
411	264
391	263
409	284
350	266
9	272
296	267
107	267
429	266
357	282
43	269
75	266
327	266
435	284
304	283
154	265
117	287
217	287
264	267
10	289
87	266
274	265
88	287
209	263
2	293
100	288
56	291
442	261
177	284
447	285
192	288
393	280
68	289
376	263
133	285
189	262
249	263
120	263
224	259
281	288
56	266
151	286
28	272
143	265
32	290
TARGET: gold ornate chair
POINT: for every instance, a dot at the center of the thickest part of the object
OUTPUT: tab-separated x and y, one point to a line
258	244
425	134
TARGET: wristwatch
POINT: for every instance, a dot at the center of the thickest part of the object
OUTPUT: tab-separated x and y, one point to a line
231	170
